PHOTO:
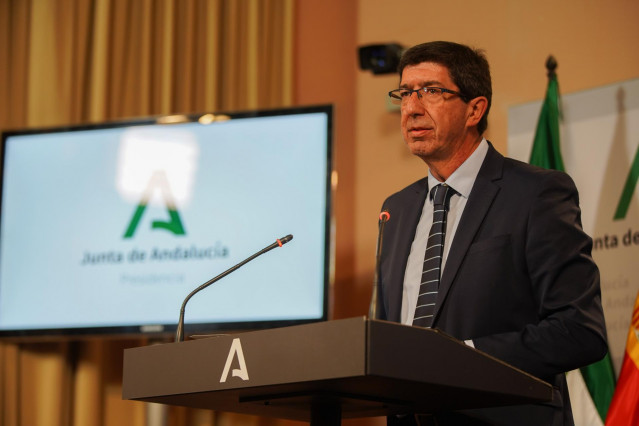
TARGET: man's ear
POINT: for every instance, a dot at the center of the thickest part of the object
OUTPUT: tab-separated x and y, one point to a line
476	110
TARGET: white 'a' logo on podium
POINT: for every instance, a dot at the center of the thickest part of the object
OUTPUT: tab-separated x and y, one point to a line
236	351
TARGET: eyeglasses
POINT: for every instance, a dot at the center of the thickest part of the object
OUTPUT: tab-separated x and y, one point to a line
428	95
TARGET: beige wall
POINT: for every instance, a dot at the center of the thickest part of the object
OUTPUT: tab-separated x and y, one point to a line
594	42
326	72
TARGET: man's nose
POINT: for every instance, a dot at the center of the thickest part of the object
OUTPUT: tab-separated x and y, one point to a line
413	104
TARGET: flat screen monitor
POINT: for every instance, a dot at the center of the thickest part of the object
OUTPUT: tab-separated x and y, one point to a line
106	228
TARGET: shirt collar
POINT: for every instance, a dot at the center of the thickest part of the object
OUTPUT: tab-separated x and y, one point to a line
463	179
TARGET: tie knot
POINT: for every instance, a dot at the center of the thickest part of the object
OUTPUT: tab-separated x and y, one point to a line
441	194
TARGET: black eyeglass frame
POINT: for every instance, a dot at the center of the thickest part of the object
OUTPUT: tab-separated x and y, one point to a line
395	93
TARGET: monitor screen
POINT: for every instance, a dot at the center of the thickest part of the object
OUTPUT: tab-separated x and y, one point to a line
105	229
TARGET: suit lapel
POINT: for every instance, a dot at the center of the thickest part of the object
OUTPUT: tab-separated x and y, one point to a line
406	225
481	197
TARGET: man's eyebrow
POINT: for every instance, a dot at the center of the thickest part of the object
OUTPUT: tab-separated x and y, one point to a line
428	83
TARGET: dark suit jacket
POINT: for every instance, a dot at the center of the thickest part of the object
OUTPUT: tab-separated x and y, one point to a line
519	279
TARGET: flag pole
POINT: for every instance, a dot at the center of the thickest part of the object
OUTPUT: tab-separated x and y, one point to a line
551	66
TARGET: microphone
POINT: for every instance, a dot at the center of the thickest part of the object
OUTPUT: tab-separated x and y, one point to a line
180	327
373	310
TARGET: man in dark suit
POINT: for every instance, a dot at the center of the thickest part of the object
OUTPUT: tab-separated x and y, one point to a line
515	278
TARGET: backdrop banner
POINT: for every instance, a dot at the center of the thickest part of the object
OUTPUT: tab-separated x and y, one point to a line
600	148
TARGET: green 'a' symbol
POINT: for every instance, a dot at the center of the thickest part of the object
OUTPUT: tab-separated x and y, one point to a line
158	180
628	189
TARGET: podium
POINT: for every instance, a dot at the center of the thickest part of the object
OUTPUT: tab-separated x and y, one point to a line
323	372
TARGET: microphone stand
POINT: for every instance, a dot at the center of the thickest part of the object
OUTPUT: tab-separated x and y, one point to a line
180	327
374	307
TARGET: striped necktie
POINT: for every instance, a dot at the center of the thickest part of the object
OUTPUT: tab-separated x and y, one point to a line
440	194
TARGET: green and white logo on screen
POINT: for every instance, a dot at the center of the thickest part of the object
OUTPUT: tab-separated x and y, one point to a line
156	173
160	183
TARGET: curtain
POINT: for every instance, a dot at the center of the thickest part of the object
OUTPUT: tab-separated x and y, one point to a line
65	62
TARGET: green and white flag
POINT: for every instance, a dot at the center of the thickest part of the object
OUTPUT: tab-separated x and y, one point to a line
591	387
546	152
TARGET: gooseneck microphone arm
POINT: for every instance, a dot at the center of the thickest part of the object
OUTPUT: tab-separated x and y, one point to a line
180	327
373	310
